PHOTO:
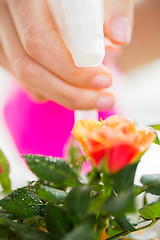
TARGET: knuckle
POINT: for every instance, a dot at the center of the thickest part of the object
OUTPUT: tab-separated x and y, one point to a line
32	39
75	102
77	74
81	77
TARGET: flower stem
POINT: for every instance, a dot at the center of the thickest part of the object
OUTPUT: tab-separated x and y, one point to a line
107	181
122	234
99	234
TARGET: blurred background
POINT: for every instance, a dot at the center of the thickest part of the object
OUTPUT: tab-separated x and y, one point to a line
138	91
137	87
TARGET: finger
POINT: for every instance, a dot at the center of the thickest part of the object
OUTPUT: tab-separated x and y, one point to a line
36	97
43	43
119	20
42	80
112	51
4	63
3	60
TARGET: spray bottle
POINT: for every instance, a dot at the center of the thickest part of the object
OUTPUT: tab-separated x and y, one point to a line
80	24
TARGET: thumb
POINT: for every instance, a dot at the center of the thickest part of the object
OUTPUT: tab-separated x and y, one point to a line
119	20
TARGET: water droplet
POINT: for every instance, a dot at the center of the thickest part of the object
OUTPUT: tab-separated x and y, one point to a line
142	149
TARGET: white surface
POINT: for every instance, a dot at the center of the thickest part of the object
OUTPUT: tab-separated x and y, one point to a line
143	94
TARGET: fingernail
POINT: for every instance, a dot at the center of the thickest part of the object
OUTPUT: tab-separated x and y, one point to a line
105	102
120	29
101	81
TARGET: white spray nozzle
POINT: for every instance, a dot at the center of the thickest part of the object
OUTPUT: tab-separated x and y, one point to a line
80	23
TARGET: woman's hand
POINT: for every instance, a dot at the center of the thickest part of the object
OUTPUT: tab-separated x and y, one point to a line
32	49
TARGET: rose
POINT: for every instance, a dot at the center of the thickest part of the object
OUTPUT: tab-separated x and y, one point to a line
113	143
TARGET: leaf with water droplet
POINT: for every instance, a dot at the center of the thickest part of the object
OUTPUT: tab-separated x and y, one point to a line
52	194
23	203
54	170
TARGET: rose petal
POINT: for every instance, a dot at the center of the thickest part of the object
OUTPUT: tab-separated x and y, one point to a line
98	156
120	156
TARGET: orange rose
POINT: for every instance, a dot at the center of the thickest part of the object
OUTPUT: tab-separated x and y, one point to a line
113	143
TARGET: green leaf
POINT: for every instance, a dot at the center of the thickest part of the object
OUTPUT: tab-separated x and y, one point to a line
97	203
26	232
144	199
23	203
4	174
116	205
6	214
54	170
94	178
156	127
138	190
58	221
4	232
114	231
120	225
110	221
52	194
36	221
78	202
150	180
157	141
153	190
84	231
151	183
74	155
151	211
124	179
73	152
124	223
13	236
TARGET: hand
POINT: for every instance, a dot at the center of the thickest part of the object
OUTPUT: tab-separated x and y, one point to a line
32	49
